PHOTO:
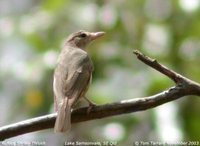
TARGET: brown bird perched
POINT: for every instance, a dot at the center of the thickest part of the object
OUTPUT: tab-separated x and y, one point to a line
72	76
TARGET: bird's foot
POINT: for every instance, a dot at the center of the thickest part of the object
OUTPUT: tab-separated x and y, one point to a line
90	107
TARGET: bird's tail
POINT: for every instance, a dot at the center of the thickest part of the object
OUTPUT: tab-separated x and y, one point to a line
63	120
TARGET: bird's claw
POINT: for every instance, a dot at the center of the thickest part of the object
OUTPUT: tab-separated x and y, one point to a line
91	105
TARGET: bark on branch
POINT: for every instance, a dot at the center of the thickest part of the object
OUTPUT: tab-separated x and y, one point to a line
183	86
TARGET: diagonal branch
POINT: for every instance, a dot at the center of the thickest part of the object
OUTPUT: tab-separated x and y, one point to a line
190	86
183	87
161	68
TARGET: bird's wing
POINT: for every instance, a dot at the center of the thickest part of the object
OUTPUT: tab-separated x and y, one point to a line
79	78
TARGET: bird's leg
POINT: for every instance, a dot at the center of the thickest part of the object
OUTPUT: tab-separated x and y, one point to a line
91	104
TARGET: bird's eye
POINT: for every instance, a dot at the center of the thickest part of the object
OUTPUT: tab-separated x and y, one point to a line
83	35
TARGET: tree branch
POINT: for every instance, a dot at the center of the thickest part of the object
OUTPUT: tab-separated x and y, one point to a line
183	87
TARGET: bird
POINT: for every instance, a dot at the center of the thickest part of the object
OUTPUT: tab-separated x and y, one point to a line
72	76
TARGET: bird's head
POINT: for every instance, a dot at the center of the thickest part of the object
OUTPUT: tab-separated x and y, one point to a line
82	38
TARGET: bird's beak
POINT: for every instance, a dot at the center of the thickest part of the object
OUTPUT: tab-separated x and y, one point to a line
95	35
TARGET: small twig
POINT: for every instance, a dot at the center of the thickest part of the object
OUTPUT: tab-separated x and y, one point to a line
183	87
161	68
190	86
